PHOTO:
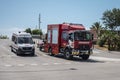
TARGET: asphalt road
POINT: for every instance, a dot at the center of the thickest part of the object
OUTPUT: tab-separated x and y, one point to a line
101	66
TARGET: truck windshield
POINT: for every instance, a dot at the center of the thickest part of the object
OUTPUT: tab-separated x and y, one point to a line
83	36
25	40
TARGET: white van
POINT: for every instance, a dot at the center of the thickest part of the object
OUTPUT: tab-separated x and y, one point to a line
22	43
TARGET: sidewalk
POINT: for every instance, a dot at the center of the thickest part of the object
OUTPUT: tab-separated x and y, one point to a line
106	53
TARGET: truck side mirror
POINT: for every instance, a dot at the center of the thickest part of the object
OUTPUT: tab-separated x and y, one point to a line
70	38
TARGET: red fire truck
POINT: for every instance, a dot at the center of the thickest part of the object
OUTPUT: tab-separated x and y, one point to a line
68	39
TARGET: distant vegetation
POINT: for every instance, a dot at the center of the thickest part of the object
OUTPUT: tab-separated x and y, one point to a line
109	34
34	31
3	37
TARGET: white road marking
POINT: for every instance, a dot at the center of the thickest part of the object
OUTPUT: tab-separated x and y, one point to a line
104	59
20	64
7	65
107	60
33	64
45	64
56	63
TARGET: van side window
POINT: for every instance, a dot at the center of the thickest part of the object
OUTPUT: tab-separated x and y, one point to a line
13	38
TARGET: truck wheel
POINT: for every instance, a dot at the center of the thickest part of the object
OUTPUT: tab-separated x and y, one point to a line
85	57
40	48
68	55
50	52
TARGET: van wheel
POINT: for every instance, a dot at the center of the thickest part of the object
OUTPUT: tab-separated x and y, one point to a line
50	52
85	57
12	49
32	54
17	52
68	54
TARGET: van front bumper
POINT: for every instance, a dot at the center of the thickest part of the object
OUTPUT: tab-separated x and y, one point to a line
21	51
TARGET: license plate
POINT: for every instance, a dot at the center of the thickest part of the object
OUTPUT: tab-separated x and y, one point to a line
75	53
27	53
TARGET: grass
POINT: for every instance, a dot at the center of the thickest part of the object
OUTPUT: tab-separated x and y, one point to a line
105	47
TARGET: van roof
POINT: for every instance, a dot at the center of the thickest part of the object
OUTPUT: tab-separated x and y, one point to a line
22	34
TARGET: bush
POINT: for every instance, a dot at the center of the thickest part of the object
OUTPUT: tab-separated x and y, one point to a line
3	37
36	32
101	42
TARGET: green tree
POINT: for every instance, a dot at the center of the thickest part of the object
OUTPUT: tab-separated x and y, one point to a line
3	37
28	30
97	27
37	32
111	18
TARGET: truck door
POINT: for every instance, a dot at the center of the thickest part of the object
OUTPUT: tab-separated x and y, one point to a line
46	47
55	44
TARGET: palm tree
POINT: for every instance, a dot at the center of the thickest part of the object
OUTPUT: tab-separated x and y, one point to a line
97	27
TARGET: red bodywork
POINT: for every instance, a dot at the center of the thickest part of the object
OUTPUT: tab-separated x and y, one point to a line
60	28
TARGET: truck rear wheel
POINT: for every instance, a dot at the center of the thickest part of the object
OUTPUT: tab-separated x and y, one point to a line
68	54
85	57
50	52
40	48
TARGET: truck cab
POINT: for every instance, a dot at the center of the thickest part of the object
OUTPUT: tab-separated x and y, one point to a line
79	44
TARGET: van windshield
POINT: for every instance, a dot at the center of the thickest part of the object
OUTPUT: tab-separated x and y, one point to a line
83	36
25	40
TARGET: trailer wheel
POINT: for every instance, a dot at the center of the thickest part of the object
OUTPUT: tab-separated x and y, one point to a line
85	57
50	52
68	54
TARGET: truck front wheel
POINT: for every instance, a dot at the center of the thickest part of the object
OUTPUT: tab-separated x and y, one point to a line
85	57
40	48
50	52
68	55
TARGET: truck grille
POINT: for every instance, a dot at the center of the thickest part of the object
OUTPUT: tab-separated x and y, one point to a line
84	47
27	48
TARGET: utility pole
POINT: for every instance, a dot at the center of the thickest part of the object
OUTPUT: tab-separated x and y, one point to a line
39	23
39	20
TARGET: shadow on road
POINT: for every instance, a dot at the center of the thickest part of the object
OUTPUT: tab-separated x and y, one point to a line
78	59
27	55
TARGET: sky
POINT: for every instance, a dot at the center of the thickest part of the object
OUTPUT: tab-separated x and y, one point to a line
17	15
